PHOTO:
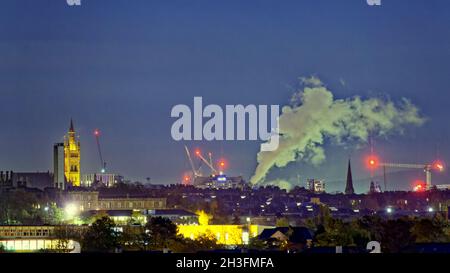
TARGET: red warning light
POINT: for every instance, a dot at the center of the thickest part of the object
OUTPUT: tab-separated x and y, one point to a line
438	165
96	132
222	164
186	180
197	152
419	187
372	162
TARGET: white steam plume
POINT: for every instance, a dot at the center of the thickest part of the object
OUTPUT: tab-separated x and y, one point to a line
314	116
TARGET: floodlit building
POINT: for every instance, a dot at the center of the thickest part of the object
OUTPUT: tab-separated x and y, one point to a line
219	181
121	217
230	235
316	186
34	239
72	157
104	179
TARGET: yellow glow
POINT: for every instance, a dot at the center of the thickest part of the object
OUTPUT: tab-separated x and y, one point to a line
203	218
225	234
72	159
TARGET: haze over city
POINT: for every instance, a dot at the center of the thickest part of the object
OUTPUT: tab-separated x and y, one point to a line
120	67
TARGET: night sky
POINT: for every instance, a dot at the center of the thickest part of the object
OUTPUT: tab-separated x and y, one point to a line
121	65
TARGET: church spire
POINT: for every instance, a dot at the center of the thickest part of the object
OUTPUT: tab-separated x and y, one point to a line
349	186
71	129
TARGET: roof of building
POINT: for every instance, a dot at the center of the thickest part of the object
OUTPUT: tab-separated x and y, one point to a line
298	235
112	213
40	180
177	212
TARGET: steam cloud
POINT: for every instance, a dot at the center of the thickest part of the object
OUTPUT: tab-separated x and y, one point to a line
315	116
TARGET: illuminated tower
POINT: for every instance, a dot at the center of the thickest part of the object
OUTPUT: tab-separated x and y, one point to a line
72	157
349	186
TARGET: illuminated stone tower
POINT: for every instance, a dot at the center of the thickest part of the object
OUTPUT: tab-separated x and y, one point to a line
72	157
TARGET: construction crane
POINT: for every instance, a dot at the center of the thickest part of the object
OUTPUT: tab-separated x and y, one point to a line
102	162
427	168
194	171
208	163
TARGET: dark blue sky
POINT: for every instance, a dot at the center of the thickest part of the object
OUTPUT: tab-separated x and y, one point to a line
120	66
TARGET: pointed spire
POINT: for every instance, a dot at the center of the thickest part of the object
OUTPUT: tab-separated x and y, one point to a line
71	126
349	186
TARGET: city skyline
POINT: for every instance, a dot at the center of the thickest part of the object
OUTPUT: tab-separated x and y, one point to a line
113	72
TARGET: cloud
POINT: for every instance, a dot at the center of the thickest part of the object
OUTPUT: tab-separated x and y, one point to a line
315	116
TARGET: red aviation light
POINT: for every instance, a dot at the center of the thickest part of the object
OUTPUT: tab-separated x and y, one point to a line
222	164
372	162
186	180
419	186
96	132
438	165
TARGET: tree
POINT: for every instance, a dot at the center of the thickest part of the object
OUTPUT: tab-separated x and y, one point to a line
429	231
256	244
160	232
2	248
335	232
396	235
236	219
52	215
102	236
373	225
134	238
282	222
204	242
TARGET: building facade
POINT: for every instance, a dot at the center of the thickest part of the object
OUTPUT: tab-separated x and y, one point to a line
316	186
104	179
90	200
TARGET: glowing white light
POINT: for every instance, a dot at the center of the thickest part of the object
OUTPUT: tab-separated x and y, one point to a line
389	210
245	237
70	210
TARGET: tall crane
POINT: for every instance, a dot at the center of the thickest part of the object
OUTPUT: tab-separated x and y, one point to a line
194	171
102	162
427	168
208	163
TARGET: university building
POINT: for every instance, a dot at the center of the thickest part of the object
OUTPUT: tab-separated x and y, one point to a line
85	200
